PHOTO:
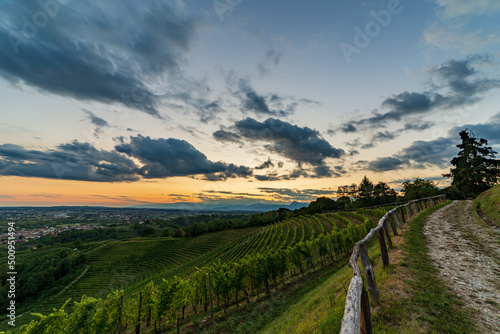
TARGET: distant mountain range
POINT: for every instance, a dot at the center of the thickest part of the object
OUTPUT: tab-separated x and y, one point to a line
222	206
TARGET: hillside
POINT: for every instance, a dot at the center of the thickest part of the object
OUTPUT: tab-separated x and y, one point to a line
302	244
489	203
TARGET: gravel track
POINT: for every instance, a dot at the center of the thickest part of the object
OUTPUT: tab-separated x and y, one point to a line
467	254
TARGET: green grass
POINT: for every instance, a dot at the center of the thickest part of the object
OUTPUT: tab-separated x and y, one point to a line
489	201
432	307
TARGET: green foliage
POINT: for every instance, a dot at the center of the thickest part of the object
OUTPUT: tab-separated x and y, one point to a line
419	188
489	203
179	233
475	167
452	192
149	232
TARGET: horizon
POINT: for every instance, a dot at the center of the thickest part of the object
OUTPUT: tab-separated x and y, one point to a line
163	102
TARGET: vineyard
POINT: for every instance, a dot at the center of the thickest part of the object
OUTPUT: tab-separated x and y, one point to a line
153	282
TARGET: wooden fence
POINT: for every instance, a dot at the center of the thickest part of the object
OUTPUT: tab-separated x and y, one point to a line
357	317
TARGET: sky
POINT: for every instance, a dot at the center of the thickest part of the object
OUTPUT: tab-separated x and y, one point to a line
122	103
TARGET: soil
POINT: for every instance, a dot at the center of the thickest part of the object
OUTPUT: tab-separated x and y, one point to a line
467	254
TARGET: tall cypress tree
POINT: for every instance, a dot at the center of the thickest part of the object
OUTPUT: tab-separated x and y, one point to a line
475	167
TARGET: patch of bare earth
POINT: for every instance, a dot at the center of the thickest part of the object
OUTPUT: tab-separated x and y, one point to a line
467	255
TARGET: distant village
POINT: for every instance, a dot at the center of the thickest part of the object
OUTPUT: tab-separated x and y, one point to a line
25	235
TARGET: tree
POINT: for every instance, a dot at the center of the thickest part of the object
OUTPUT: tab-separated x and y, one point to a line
148	232
383	193
475	167
419	188
365	192
179	233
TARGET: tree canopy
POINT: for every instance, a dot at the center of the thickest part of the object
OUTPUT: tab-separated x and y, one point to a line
475	168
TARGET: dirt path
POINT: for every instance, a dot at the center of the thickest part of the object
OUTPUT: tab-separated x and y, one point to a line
467	255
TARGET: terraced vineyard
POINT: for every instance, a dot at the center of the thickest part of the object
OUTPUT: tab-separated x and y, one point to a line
130	265
299	244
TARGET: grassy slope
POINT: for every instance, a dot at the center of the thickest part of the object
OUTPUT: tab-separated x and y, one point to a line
489	202
321	309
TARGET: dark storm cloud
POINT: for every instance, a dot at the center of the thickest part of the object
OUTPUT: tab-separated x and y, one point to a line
251	100
174	157
73	161
348	128
269	177
300	144
459	83
419	155
209	111
94	50
266	164
97	121
261	103
385	164
303	145
223	135
438	152
489	130
160	158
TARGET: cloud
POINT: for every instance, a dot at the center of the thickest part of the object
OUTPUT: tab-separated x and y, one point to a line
489	130
385	164
456	37
163	158
272	57
266	164
86	57
159	158
223	135
287	194
380	137
300	144
97	121
455	8
72	161
459	83
319	171
261	104
437	152
270	104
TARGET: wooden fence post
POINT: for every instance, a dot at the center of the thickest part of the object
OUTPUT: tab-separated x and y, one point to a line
387	234
138	327
365	316
393	225
397	218
408	211
383	247
402	214
369	276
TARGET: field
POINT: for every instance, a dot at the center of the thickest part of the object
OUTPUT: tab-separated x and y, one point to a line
130	265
